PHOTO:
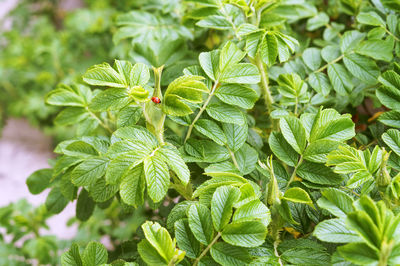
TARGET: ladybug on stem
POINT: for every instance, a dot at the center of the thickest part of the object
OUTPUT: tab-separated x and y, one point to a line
156	100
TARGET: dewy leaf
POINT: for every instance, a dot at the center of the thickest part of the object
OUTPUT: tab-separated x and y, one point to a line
221	205
298	195
361	67
132	187
245	234
211	129
335	231
181	90
237	94
294	133
186	240
226	113
157	177
228	255
282	149
94	254
160	239
200	223
392	139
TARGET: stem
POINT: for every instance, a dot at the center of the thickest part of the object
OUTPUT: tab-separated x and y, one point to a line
157	81
294	172
99	120
391	34
196	262
233	157
325	66
201	110
264	84
276	253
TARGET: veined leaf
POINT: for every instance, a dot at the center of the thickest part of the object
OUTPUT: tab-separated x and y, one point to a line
236	94
245	234
335	231
200	223
226	113
228	255
221	206
294	133
361	67
132	187
211	129
157	177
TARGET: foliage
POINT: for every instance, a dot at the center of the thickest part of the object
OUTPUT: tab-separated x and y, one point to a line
232	133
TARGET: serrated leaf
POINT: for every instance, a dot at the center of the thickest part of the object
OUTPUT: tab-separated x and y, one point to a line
94	254
159	238
282	149
246	158
359	253
211	129
226	113
228	255
336	202
389	97
377	49
209	62
392	139
200	223
361	67
150	255
186	240
244	73
235	135
320	20
132	187
318	150
72	257
294	133
88	171
176	163
312	58
221	206
245	234
298	195
340	79
111	99
335	231
391	118
253	210
320	83
269	49
370	18
236	94
157	177
318	173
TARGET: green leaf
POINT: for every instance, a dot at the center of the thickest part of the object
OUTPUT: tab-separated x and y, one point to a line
318	21
157	177
55	201
320	83
318	173
101	192
312	58
186	240
230	55
391	119
39	180
200	223
215	22
331	126
212	130
340	79
209	62
292	88
139	75
104	75
244	73
176	163
269	49
228	255
221	206
245	234
181	90
128	116
150	255
336	202
294	133
390	79
235	135
359	253
253	210
73	95
159	239
72	257
94	254
363	224
206	151
246	158
298	195
392	139
389	97
71	116
350	40
361	67
132	187
335	231
84	206
370	18
238	95
88	171
281	148
377	49
318	150
111	99
306	256
226	113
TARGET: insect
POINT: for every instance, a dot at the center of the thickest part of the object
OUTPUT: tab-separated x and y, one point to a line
156	100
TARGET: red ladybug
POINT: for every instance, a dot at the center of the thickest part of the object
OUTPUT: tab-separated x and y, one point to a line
156	100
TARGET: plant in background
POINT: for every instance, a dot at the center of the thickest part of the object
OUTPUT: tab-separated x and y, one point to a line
238	134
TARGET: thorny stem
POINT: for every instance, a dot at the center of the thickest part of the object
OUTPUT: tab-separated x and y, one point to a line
264	84
99	120
189	132
294	172
196	262
276	253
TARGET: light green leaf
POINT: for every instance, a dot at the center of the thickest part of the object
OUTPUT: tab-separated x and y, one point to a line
73	95
132	187
235	135
246	158
392	139
157	177
294	133
359	253
150	255
211	129
221	206
350	40
318	150
104	75
226	113
318	173
361	67
245	234
230	55
88	171
281	148
244	73
336	202
318	21
377	49
200	223
312	58
72	257
236	94
253	210
389	97
269	49
71	116
391	119
94	254
176	163
335	231
298	195
371	18
320	83
160	239
209	62
206	151
111	99
340	79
